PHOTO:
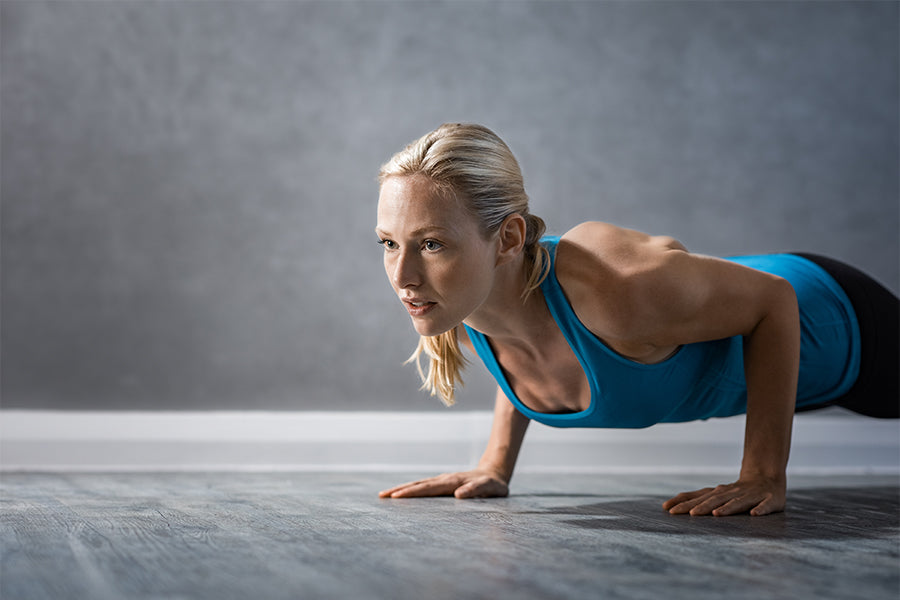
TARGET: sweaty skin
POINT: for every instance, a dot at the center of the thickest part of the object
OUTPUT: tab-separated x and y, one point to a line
643	295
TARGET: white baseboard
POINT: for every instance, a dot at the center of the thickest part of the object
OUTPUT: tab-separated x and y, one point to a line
825	442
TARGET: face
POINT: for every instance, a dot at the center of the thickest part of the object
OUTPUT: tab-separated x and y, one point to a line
436	258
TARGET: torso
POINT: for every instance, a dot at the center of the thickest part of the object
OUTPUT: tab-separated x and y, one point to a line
554	381
634	381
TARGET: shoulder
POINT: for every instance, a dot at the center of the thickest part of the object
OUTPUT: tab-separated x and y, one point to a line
637	288
596	248
616	242
609	273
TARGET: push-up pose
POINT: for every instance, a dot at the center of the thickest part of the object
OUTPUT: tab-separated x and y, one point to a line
609	327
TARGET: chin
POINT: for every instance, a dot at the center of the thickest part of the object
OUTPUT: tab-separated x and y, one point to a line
431	329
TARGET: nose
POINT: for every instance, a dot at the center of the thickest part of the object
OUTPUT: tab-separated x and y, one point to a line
405	271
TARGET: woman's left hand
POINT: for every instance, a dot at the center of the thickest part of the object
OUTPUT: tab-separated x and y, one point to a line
758	495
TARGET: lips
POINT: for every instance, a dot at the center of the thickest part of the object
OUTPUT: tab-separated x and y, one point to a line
418	307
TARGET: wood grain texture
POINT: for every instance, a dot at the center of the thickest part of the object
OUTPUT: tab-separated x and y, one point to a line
291	535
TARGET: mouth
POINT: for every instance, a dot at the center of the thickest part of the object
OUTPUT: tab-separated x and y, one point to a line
418	308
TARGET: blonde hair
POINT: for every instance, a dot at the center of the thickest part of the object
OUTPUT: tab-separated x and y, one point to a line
471	163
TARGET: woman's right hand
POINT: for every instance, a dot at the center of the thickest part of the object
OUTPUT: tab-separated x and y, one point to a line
490	479
469	484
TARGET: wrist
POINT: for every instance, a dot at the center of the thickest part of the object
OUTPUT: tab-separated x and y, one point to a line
772	474
495	471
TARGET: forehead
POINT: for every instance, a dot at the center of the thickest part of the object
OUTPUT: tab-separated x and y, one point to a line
411	202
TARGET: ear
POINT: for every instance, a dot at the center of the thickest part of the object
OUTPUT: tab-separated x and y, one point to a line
511	237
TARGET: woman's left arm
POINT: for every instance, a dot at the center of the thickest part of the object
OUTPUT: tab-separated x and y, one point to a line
652	294
763	309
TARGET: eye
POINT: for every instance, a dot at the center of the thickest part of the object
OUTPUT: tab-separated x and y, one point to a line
388	244
432	246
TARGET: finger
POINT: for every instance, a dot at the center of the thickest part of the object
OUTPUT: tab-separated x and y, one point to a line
469	490
772	504
485	488
387	493
687	506
736	506
714	502
674	501
704	504
435	486
421	490
684	501
683	497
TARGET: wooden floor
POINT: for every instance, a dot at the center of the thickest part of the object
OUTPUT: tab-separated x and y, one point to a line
295	535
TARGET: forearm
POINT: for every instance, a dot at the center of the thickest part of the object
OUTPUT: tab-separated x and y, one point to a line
771	365
507	433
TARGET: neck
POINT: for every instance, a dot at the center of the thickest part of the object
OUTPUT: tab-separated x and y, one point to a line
505	317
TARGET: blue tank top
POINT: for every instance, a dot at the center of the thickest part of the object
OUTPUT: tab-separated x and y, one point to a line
699	380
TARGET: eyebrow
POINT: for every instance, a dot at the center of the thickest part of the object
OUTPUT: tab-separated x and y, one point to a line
419	231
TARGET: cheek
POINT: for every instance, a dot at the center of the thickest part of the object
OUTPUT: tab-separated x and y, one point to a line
388	269
471	277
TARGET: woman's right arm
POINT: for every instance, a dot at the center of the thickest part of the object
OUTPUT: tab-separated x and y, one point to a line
491	477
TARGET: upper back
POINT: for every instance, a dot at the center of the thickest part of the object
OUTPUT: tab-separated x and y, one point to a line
602	269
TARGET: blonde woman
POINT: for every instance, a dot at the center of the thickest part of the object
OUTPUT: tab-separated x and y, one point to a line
609	327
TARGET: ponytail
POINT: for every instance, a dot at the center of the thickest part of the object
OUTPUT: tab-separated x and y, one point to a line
535	253
446	362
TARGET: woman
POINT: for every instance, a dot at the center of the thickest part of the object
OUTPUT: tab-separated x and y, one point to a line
608	327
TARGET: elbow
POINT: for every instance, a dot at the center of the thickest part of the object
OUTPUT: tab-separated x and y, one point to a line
782	310
776	306
784	294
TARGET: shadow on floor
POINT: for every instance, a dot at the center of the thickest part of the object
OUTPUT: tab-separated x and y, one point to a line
815	513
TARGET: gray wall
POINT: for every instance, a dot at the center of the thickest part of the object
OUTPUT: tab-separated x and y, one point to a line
188	187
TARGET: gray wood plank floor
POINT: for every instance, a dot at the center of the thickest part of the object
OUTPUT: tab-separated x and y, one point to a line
296	535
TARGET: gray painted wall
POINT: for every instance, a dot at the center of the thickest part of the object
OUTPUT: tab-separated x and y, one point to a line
188	187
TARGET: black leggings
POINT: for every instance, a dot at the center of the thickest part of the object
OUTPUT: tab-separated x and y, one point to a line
875	392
